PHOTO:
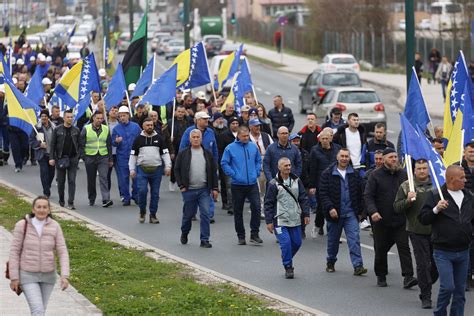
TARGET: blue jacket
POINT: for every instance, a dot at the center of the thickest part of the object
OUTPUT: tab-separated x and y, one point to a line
128	132
274	152
242	162
208	141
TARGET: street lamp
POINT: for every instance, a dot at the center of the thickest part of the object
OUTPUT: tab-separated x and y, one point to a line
409	37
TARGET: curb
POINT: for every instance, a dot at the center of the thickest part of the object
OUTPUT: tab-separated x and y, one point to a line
304	310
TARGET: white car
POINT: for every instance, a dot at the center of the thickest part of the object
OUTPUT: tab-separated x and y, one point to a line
76	42
425	24
214	67
173	48
402	25
340	62
363	101
34	41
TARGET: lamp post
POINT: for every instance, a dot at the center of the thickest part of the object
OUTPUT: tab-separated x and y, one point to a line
187	40
410	37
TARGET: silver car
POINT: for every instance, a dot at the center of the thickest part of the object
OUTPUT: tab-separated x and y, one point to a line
173	48
363	101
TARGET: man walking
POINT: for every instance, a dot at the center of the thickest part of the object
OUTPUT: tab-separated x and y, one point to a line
123	137
341	198
286	203
410	204
379	142
147	157
451	219
280	116
242	162
388	227
64	155
352	136
196	176
96	150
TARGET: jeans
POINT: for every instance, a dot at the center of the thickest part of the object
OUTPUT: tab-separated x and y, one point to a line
191	198
384	238
350	224
444	83
452	269
37	295
426	272
289	239
19	145
46	174
71	180
154	180
96	164
123	178
239	194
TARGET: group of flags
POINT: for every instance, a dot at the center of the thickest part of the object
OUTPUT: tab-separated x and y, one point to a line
458	122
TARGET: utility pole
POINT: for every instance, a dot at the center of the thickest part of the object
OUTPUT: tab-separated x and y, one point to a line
105	20
130	11
187	41
410	37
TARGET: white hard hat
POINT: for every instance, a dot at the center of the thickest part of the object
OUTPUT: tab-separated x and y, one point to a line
41	57
20	61
2	88
46	81
49	59
131	87
102	72
124	109
32	58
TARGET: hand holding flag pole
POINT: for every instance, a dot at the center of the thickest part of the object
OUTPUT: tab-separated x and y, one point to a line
436	180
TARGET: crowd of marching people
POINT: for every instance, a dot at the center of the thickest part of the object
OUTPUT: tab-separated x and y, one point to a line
256	154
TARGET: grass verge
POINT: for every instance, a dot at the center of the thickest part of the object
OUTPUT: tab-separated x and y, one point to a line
16	31
265	61
123	281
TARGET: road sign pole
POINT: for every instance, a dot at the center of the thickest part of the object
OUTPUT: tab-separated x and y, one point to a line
187	40
410	37
130	11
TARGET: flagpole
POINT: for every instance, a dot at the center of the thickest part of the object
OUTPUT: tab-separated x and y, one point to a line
462	147
31	121
128	102
435	178
104	52
209	73
408	165
154	68
172	119
254	94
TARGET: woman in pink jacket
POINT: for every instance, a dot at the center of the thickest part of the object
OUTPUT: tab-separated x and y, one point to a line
32	256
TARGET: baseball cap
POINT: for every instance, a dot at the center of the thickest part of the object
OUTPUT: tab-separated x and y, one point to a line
124	109
245	108
46	81
234	118
254	122
201	115
201	95
293	136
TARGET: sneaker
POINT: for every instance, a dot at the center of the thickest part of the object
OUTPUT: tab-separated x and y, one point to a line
321	231
34	163
91	203
381	281
61	203
314	232
330	267
212	220
125	203
184	238
154	219
194	218
360	270
364	225
205	244
241	242
171	187
107	203
230	212
142	218
17	170
71	206
426	302
409	282
262	216
255	239
289	272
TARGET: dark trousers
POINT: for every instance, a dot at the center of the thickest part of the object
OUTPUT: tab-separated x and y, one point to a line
239	194
97	164
109	174
384	238
319	219
223	187
46	174
426	271
19	146
71	180
4	139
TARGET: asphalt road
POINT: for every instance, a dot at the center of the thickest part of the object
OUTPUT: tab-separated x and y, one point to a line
339	293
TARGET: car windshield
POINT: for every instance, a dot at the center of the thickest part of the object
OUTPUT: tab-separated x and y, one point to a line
341	79
358	97
343	60
175	44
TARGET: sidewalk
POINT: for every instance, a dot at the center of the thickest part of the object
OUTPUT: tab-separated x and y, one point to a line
68	302
304	66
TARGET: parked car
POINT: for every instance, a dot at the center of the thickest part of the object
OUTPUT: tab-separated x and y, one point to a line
340	62
214	67
229	49
402	26
425	24
363	101
160	50
316	84
213	44
76	43
34	41
123	42
174	48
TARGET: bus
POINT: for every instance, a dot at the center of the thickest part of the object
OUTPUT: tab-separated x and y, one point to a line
446	16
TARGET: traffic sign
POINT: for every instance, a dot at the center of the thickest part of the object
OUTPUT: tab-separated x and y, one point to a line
283	20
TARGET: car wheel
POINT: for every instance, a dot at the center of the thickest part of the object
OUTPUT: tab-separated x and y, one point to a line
301	107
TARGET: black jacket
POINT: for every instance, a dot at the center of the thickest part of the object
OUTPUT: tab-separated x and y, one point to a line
223	141
57	141
320	159
340	136
380	193
281	118
309	139
330	191
183	165
469	176
180	126
451	228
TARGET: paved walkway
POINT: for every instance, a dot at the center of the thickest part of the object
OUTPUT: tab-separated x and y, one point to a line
68	302
303	66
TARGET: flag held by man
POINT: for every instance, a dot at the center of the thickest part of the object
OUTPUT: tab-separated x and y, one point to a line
116	89
135	58
163	90
192	68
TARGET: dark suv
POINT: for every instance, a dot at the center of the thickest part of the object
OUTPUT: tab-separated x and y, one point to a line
319	81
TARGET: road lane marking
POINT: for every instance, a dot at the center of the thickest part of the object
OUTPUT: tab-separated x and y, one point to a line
267	92
258	88
369	247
